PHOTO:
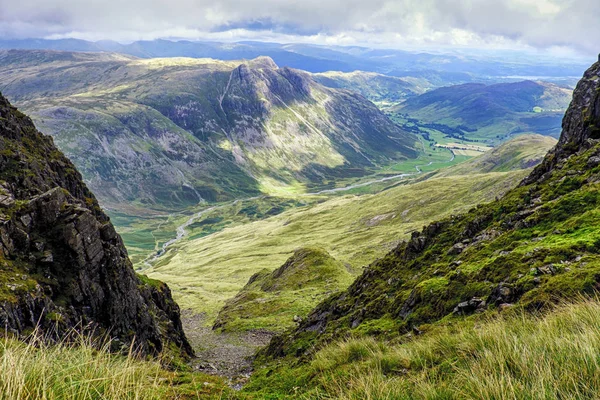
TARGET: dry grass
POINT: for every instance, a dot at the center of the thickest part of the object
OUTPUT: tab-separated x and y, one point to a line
79	369
512	356
552	357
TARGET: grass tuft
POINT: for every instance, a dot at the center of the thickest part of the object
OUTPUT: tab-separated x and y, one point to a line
512	356
80	369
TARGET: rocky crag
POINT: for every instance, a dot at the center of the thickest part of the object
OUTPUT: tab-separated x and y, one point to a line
62	265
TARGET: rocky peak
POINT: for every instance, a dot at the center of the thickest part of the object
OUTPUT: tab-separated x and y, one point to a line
62	265
262	62
580	126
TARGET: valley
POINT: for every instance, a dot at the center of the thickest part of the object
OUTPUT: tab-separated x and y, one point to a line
325	234
217	257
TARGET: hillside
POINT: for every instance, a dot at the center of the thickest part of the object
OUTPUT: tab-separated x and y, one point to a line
63	266
381	89
536	245
207	268
521	152
168	133
493	112
275	300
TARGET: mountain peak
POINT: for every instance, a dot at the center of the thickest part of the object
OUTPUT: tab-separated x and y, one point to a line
580	126
262	62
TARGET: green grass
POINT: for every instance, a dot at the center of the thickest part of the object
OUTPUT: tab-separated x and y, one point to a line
77	368
519	153
272	300
537	244
511	356
206	271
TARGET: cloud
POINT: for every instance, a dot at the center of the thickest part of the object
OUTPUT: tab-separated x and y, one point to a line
393	23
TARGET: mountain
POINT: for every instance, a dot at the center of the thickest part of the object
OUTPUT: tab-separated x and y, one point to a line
375	87
492	112
168	133
63	265
534	246
463	66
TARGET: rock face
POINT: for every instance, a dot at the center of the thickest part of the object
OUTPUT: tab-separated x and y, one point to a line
580	126
536	245
62	265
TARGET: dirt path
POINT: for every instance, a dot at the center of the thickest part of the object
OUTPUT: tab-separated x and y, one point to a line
224	354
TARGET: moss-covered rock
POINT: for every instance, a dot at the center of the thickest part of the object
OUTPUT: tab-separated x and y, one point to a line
62	265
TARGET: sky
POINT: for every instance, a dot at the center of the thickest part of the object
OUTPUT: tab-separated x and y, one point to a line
558	26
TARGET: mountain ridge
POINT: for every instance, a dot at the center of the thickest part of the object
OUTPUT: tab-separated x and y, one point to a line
205	129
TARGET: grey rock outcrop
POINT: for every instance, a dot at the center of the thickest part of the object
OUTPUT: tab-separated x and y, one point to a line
62	264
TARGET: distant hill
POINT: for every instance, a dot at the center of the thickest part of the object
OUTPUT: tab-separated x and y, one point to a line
450	67
376	87
168	133
492	112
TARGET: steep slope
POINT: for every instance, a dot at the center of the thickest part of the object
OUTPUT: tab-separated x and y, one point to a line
492	112
63	265
166	133
539	243
275	300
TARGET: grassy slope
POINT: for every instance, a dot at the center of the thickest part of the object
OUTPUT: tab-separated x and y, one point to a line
81	370
354	229
492	113
273	299
520	153
515	356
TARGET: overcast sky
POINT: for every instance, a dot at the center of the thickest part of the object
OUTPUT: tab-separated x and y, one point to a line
556	25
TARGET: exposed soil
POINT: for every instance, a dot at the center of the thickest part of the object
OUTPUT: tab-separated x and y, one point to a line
224	354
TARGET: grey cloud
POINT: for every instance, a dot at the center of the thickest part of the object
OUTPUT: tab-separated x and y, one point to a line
538	23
